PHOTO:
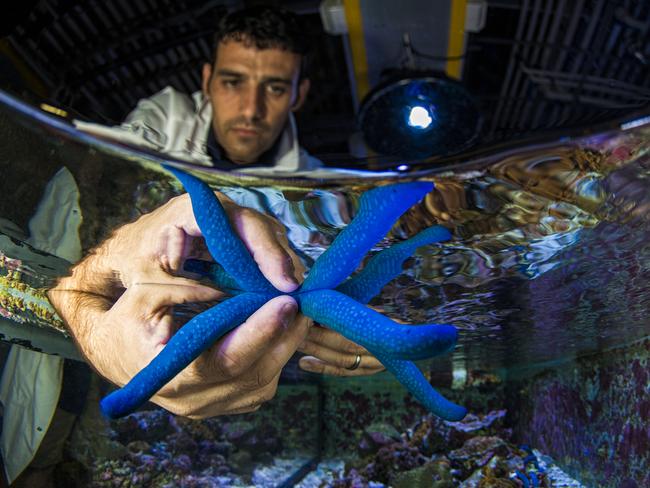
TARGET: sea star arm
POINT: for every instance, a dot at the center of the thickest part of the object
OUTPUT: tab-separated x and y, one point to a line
387	264
223	243
374	331
186	345
358	322
379	208
409	375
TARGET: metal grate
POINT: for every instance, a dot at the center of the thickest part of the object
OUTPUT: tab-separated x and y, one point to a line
568	63
101	57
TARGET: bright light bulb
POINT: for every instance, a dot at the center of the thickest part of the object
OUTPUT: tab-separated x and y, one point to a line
419	117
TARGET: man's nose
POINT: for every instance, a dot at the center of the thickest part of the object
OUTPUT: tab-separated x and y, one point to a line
253	103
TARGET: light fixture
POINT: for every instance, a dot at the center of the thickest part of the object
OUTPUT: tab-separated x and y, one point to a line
419	114
419	117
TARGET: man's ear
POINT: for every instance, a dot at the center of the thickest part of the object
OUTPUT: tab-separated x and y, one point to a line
206	74
301	96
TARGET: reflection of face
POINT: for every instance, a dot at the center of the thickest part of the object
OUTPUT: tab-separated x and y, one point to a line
252	92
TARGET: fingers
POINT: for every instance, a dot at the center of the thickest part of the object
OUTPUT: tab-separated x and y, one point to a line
243	370
338	358
171	290
258	384
268	245
331	353
264	237
272	363
322	336
175	244
219	399
178	212
143	312
233	355
315	365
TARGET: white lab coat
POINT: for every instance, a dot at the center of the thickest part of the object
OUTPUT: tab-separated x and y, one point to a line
31	381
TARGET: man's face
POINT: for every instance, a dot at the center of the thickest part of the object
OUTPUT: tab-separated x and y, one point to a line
252	92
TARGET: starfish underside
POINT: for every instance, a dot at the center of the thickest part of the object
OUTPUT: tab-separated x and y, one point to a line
325	296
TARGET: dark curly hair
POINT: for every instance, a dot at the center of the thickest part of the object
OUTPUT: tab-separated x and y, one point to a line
265	27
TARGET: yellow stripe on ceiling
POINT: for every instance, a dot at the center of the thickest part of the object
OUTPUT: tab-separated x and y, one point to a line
455	43
357	45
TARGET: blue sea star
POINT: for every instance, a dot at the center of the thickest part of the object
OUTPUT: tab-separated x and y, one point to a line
324	296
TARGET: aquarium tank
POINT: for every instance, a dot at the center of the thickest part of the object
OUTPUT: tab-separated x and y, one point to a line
464	254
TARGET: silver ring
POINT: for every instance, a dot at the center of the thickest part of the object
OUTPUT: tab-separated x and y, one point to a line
357	362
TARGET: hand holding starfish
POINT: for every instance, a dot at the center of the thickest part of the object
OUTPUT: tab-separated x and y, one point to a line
118	304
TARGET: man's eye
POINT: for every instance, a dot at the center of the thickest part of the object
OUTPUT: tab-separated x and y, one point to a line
230	82
277	89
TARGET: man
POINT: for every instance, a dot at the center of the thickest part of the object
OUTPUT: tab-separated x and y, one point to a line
118	300
243	117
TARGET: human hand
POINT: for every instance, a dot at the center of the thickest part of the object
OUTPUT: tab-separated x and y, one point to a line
118	305
237	374
157	244
328	352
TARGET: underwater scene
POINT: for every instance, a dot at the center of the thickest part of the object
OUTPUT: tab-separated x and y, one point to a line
537	264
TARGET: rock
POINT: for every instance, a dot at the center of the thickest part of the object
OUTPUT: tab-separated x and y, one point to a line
434	436
376	436
242	462
435	474
257	440
182	463
182	443
236	431
476	453
148	425
137	447
386	430
391	460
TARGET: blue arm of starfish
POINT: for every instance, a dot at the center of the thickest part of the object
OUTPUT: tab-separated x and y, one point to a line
409	375
379	208
382	268
387	264
186	345
353	323
356	322
223	243
372	330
